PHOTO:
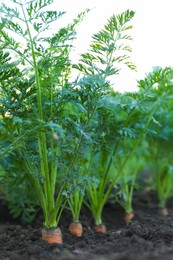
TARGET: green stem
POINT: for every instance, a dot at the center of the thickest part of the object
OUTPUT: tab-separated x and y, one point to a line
42	140
130	189
109	166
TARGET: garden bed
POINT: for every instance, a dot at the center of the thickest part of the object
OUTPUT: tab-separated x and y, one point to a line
149	236
74	142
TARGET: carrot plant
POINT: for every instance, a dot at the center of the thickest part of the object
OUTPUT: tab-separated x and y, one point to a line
110	129
164	178
108	51
137	117
22	204
160	165
127	181
160	138
33	108
75	202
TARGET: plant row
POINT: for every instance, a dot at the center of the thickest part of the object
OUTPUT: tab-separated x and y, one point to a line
66	143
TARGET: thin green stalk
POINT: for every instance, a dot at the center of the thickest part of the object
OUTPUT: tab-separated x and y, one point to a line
53	165
37	186
132	185
75	203
129	192
42	139
59	206
93	204
109	167
92	114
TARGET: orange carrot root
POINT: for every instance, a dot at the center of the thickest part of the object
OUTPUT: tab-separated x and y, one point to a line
128	217
76	229
52	235
163	212
100	229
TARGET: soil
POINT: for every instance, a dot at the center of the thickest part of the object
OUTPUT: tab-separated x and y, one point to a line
149	236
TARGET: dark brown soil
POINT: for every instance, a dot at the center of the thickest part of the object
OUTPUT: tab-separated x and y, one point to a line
149	236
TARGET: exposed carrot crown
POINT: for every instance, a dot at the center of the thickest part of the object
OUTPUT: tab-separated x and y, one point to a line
163	212
100	228
128	217
76	229
52	235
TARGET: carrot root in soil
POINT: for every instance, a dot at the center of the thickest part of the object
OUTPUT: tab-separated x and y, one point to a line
128	217
52	236
100	229
76	229
163	212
